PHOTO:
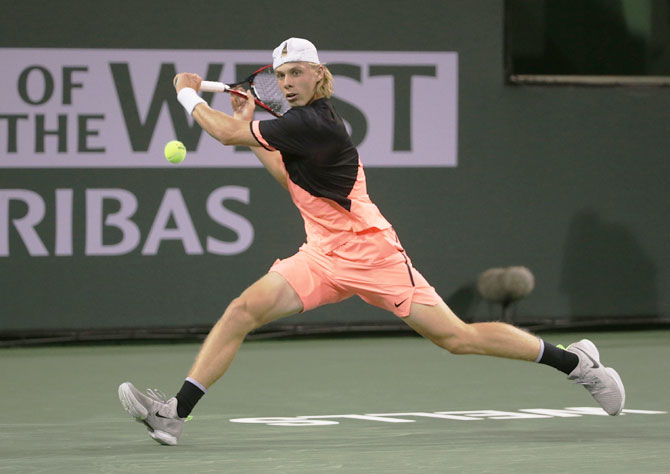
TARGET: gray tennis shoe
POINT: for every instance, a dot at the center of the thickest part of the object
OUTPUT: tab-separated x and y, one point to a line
158	414
602	382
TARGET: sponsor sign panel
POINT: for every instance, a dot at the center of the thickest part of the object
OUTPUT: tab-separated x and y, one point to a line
92	108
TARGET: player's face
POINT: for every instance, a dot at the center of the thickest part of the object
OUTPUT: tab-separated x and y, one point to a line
298	82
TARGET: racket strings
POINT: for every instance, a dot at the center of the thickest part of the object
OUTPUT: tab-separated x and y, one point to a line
267	90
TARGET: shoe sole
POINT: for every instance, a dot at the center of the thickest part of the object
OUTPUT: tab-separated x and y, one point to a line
163	438
617	379
130	403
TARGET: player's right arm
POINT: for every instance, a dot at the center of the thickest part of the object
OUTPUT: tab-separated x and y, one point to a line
226	129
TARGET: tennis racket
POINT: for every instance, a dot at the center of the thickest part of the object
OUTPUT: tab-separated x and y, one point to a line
264	87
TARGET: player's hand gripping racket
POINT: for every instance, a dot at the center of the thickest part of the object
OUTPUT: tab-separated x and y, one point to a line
264	87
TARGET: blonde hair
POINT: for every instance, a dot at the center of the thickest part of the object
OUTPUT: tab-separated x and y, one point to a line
324	88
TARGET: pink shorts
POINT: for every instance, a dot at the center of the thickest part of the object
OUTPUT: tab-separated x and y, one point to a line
373	266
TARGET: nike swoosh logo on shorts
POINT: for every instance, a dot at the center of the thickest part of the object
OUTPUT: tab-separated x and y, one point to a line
397	305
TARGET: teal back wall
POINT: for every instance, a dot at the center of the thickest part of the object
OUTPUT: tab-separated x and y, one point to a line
571	182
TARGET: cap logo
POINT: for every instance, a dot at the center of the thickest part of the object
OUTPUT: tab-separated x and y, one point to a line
284	52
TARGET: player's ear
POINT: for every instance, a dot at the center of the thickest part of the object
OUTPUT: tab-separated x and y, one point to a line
319	72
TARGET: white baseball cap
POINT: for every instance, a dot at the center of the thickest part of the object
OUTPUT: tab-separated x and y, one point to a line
294	50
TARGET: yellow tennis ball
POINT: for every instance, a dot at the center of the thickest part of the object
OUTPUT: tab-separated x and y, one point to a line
175	151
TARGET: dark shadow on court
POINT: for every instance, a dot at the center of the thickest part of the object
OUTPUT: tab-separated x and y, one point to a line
606	272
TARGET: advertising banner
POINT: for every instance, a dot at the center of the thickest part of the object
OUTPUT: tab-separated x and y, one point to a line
92	108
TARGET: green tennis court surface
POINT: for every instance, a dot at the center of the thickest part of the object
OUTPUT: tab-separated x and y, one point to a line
360	405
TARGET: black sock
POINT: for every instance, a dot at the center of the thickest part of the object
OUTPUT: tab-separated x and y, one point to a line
188	396
558	358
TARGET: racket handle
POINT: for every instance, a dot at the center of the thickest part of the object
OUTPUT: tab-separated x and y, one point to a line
213	86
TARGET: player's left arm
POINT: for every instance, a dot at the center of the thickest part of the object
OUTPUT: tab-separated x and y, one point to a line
224	128
243	110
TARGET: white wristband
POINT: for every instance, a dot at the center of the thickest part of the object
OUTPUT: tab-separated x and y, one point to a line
189	98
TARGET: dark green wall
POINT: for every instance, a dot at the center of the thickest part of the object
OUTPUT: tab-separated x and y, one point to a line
570	182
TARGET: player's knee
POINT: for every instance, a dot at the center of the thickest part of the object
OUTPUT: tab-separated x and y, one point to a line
240	317
460	342
453	345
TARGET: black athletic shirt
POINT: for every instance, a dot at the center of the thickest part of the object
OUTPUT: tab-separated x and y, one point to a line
317	150
326	178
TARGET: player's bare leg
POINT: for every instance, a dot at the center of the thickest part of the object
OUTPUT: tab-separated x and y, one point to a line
580	361
268	299
440	325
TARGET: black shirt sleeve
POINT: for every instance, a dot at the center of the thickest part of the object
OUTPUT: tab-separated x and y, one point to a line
286	134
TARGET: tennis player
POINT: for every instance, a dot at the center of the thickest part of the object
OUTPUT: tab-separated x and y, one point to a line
351	249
